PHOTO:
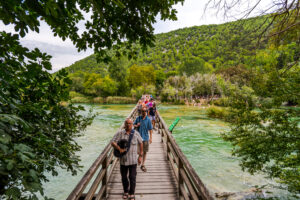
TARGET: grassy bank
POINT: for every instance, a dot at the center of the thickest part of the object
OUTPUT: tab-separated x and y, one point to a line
79	98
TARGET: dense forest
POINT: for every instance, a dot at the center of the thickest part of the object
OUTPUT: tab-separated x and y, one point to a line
184	63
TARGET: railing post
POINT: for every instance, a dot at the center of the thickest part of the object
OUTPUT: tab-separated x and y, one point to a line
104	180
180	179
168	149
162	134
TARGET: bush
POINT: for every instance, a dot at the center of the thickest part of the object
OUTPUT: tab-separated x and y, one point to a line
219	112
75	94
80	100
98	100
120	100
179	102
221	102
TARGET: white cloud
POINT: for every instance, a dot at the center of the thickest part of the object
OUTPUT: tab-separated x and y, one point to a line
63	53
191	13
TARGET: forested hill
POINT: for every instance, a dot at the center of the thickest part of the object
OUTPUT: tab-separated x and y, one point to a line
201	48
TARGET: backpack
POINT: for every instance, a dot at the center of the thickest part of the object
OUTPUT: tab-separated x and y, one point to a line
124	144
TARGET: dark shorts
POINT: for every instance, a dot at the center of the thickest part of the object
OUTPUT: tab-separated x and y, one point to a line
152	117
145	146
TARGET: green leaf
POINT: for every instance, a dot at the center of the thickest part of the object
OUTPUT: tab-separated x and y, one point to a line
10	165
13	193
4	138
33	174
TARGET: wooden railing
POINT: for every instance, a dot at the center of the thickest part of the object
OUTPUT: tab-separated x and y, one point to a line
105	164
189	184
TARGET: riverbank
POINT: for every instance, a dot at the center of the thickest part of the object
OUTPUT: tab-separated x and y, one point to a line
79	98
199	101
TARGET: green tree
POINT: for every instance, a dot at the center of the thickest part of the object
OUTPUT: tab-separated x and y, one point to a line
77	81
236	74
89	81
141	76
168	92
37	134
204	85
105	87
139	91
118	72
160	77
110	23
118	68
265	135
191	65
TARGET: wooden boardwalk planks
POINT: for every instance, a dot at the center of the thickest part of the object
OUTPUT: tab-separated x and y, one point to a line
157	183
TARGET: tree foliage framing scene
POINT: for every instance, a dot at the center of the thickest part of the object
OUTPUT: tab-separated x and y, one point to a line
245	72
38	132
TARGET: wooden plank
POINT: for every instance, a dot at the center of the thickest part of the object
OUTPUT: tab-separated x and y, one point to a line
142	187
100	193
183	192
154	185
78	190
159	181
95	185
144	191
175	157
146	196
188	184
175	170
149	179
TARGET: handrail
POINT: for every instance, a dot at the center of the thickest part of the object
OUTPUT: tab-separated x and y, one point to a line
105	159
189	184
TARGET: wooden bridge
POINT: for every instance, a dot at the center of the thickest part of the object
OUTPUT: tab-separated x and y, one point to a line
169	174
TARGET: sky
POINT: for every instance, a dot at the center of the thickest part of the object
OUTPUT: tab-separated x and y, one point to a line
64	53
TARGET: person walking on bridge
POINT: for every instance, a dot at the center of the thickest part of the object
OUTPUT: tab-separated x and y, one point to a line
143	123
152	113
140	107
129	161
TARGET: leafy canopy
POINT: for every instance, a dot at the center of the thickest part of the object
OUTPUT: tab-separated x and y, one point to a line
266	135
110	23
37	133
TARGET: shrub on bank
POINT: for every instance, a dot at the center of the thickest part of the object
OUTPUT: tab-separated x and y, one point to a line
98	100
120	100
173	101
80	100
221	102
74	94
179	102
219	112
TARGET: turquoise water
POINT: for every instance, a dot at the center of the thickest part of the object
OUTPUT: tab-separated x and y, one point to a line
197	135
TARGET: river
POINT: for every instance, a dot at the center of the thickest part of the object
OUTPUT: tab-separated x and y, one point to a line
197	135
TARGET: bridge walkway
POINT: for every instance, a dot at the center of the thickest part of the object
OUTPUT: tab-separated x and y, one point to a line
169	174
159	182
